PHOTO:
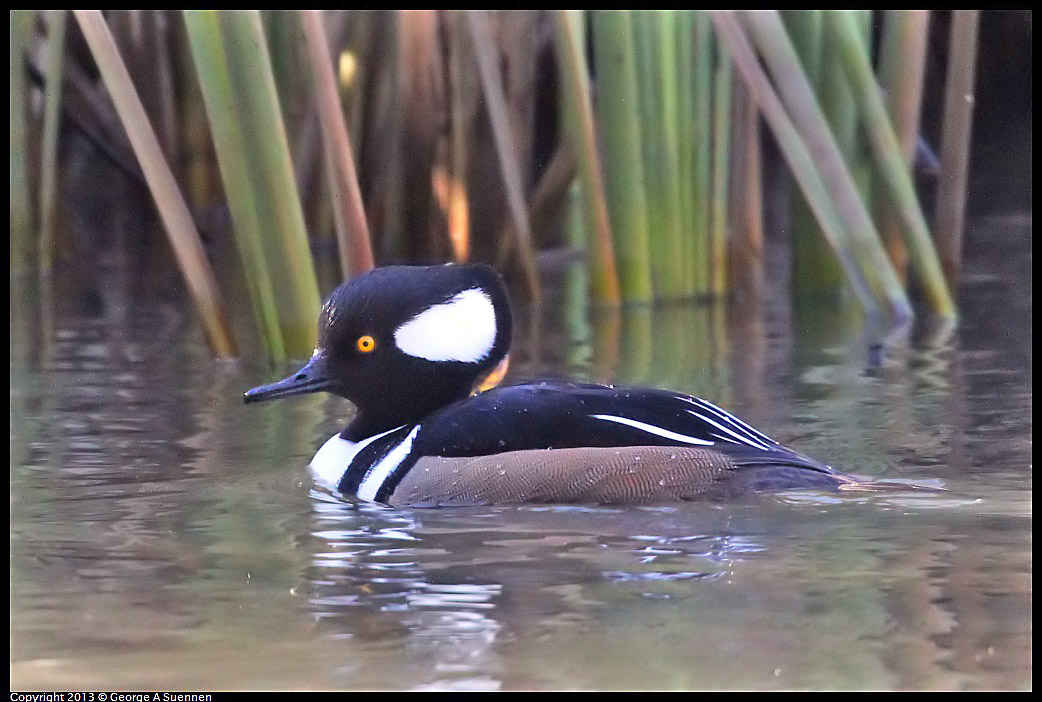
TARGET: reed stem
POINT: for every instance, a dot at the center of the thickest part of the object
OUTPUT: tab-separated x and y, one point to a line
21	199
177	220
721	161
495	102
830	190
609	273
356	253
703	131
618	118
955	142
51	123
902	67
685	176
844	29
815	270
796	93
215	82
461	113
745	246
667	242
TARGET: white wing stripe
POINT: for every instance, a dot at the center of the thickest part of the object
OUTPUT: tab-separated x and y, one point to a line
728	417
741	439
652	429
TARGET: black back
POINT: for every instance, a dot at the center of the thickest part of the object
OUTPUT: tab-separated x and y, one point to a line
554	414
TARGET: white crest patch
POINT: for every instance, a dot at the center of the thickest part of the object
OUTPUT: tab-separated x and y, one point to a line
462	328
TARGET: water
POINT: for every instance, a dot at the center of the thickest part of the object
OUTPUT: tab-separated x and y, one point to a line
163	535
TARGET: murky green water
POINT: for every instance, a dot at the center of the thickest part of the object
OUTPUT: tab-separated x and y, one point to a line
163	535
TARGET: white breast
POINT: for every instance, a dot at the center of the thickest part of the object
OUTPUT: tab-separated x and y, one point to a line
333	459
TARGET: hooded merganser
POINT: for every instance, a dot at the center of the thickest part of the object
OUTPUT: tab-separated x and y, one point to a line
407	345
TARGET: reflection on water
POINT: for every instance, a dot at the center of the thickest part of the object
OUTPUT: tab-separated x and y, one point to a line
463	597
454	590
165	536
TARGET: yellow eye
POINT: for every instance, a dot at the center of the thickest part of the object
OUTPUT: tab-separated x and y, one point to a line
366	344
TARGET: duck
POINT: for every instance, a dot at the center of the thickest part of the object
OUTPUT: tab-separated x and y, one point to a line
414	348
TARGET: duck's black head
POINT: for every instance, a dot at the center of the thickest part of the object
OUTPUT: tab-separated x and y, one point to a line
402	341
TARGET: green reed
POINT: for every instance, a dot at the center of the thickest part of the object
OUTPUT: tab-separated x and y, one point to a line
431	128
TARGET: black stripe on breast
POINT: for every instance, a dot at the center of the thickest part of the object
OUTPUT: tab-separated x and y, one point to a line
383	495
368	457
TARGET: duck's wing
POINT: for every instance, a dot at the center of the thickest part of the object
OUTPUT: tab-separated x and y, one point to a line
563	442
553	415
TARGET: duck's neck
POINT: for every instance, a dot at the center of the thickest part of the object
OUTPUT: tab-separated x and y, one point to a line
412	397
376	418
368	424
